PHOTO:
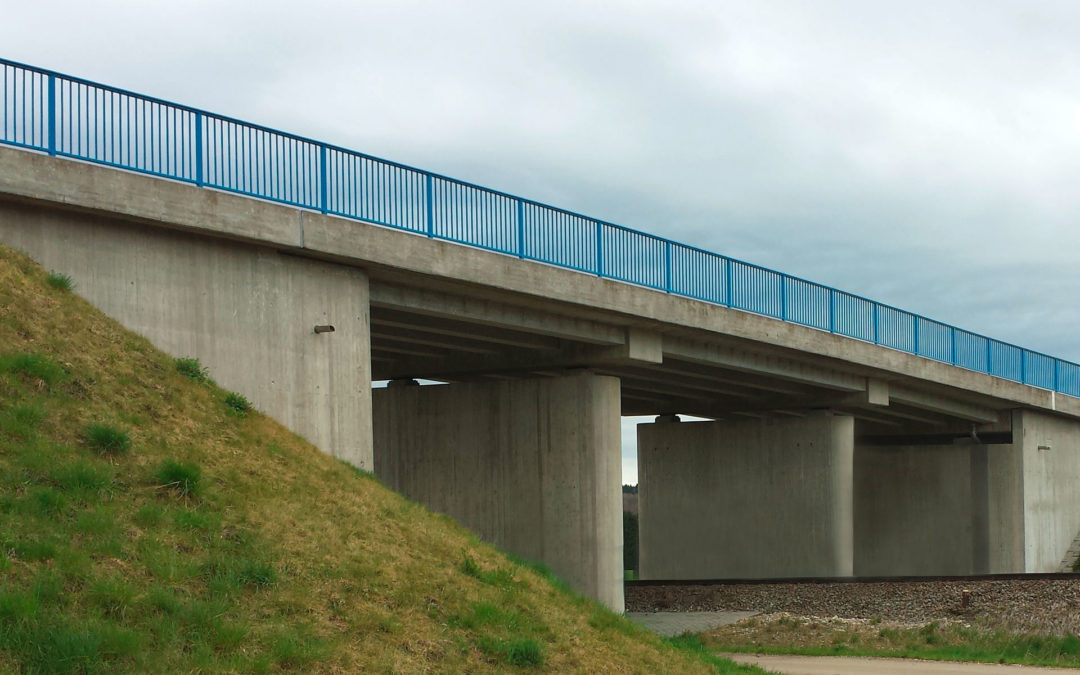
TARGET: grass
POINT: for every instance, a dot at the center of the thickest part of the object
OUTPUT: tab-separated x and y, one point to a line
932	641
107	440
180	477
223	543
60	282
191	368
237	404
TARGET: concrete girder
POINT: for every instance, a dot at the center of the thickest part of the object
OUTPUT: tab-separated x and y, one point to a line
493	313
731	358
383	334
460	329
945	405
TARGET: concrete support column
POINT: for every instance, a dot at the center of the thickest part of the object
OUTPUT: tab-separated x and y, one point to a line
247	313
746	499
532	466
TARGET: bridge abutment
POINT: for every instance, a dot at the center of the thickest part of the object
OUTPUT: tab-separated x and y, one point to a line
531	465
248	313
746	499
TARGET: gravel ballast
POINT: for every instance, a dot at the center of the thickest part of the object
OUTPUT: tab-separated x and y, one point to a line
1049	606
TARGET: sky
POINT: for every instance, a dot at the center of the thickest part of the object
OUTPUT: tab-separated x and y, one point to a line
923	154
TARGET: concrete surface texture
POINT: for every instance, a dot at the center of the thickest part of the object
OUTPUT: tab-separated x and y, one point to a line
669	624
754	499
853	665
532	466
914	510
1051	460
247	313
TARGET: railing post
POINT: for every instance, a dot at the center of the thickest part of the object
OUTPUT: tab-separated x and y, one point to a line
521	228
52	115
989	359
430	198
832	310
1057	364
952	345
1023	366
915	334
599	249
874	322
324	187
199	180
667	265
728	293
783	297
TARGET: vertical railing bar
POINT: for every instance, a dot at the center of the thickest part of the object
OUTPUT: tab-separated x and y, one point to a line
199	149
832	310
323	182
728	291
915	335
521	228
599	249
874	321
783	297
52	114
667	265
430	203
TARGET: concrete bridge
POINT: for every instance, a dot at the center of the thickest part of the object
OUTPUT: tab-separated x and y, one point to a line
827	454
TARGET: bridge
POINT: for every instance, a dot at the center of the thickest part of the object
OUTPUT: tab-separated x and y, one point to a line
845	436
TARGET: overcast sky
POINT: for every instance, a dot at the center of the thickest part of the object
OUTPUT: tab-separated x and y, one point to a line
924	154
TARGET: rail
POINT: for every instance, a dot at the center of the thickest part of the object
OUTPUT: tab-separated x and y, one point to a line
74	118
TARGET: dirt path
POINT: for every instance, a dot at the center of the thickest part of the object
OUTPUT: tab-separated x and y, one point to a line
852	665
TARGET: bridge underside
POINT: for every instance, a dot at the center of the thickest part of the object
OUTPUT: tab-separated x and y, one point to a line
522	442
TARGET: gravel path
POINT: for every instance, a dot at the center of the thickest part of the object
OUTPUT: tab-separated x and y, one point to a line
1040	606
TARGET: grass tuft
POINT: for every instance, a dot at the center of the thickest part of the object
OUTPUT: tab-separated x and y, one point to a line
237	404
191	368
31	365
59	281
181	477
106	440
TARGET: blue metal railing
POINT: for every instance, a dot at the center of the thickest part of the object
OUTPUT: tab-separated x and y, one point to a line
70	117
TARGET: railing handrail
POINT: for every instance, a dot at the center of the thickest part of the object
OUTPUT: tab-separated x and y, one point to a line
308	182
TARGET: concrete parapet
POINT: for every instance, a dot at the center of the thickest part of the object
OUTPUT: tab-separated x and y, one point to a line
532	466
746	499
248	313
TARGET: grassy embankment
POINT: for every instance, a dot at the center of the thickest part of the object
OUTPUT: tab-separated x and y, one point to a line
150	522
954	642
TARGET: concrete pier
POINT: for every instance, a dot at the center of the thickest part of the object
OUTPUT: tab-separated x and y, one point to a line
531	465
746	499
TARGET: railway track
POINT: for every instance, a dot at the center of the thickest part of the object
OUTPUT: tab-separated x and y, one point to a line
680	583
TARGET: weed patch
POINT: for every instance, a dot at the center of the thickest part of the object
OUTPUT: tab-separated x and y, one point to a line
33	366
191	368
236	404
180	477
106	440
59	281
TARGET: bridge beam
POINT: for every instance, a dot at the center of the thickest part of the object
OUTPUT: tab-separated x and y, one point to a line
531	465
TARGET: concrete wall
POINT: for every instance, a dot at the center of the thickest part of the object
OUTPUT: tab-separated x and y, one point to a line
246	312
753	499
1051	459
532	466
914	510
